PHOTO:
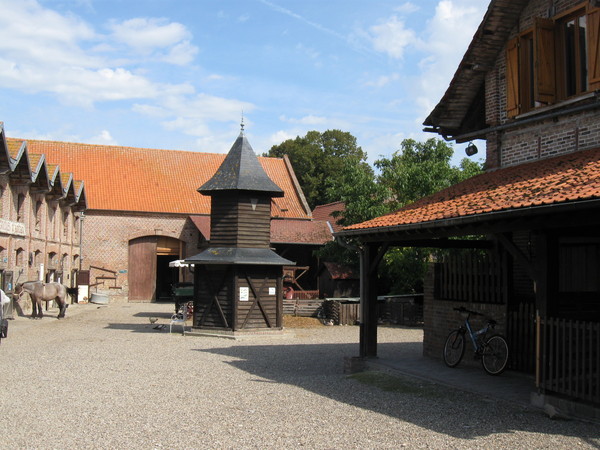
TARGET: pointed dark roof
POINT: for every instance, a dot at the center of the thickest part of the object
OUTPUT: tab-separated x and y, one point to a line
241	171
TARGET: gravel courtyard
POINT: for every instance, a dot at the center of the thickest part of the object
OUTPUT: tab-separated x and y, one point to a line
105	378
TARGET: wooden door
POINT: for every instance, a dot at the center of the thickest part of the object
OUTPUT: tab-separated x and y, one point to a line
142	268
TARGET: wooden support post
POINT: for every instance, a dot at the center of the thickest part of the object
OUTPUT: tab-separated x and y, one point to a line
541	302
370	258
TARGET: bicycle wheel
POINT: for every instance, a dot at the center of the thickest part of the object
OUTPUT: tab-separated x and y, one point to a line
454	348
495	355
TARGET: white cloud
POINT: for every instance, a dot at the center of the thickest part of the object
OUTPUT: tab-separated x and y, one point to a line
281	136
147	34
104	138
195	115
383	80
456	18
181	54
43	51
406	8
392	37
156	38
306	120
32	34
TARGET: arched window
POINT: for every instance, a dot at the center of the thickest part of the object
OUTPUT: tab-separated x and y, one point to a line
38	215
21	208
65	220
52	260
76	225
51	222
19	257
37	258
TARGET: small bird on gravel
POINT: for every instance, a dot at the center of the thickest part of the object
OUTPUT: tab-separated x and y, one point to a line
152	319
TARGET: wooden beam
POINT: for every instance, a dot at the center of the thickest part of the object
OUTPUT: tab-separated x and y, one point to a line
517	254
371	256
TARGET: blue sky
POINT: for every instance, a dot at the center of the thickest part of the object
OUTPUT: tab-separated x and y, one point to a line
177	74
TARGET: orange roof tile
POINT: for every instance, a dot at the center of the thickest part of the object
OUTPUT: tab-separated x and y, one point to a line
310	232
325	212
566	178
14	146
151	180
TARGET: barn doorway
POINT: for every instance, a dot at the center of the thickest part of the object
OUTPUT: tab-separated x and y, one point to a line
150	277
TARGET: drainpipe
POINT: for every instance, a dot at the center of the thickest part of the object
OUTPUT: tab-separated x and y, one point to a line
81	217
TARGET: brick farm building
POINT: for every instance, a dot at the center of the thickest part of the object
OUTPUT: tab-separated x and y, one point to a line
144	211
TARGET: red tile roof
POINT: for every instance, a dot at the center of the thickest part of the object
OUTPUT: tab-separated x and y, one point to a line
150	180
310	232
567	178
325	212
283	231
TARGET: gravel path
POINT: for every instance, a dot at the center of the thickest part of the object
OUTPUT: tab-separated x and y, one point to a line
104	378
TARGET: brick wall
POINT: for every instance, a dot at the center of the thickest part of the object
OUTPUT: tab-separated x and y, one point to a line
439	319
536	140
106	237
38	232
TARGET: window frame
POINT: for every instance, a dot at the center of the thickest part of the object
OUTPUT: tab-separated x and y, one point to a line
535	62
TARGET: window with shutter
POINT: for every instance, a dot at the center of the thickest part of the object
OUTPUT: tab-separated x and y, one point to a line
512	78
558	59
593	40
544	62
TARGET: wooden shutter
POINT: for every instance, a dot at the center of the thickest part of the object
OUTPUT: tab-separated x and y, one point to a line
544	61
593	42
512	78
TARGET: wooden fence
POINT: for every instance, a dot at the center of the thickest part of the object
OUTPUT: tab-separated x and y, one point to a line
305	304
520	334
471	277
571	358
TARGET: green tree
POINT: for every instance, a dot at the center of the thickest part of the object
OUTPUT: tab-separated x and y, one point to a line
363	198
417	170
318	159
420	169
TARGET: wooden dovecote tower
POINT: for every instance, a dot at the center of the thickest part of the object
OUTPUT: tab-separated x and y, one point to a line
238	279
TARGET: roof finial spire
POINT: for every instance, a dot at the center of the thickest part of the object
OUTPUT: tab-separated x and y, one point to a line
242	122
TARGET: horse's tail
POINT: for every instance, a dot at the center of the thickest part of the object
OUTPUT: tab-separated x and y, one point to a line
73	291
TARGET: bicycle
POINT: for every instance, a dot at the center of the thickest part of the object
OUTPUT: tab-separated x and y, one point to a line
493	351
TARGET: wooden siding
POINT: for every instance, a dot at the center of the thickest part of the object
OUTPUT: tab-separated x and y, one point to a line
213	297
142	268
235	223
261	310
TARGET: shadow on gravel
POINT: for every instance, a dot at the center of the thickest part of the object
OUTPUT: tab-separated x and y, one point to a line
319	368
147	326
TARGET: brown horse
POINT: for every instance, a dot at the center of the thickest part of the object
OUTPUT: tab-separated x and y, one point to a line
40	291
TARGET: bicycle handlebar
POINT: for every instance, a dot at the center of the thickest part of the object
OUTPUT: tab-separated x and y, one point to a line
462	309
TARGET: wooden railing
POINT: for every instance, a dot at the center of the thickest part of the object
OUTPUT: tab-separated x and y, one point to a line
302	307
471	277
520	334
99	280
570	363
